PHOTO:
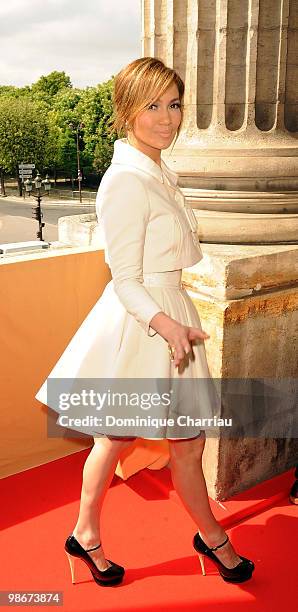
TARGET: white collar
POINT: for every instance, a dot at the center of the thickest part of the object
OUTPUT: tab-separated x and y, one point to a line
125	153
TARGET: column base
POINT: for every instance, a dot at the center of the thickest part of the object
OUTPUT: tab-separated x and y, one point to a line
237	217
246	297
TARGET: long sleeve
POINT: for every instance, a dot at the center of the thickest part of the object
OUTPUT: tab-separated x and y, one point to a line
123	210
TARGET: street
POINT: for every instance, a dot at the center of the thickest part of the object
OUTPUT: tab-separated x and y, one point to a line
17	224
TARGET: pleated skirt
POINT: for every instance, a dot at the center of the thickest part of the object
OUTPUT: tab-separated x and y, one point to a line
110	346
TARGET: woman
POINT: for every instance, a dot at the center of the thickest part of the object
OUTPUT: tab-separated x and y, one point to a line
145	325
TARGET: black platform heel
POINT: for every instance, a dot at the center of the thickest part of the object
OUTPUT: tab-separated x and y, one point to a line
242	572
108	577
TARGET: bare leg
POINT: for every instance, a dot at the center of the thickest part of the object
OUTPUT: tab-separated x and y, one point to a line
189	482
98	473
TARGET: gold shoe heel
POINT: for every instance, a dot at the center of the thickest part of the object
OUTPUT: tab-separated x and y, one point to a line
110	576
240	573
202	564
72	563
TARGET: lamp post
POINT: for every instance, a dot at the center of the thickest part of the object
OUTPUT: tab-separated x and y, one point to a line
37	213
77	129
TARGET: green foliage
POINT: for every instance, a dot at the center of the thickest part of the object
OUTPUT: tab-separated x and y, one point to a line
103	149
62	116
38	124
24	133
15	92
48	86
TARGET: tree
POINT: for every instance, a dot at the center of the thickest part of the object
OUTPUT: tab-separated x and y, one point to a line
90	111
50	85
103	150
15	92
65	111
24	133
35	125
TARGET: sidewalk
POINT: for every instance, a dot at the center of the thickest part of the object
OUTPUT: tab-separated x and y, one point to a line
12	227
46	201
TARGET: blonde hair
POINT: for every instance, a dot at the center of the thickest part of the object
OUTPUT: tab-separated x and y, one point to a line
136	86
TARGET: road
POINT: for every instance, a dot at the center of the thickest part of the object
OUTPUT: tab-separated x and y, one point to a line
17	224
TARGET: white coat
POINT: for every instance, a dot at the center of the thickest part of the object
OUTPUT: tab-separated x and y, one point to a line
146	224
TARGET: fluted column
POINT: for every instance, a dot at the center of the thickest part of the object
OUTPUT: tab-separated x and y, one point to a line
239	136
237	161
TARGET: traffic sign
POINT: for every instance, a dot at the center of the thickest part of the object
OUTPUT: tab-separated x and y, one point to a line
26	166
22	177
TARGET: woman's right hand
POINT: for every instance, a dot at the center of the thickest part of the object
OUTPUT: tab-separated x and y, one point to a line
180	339
178	336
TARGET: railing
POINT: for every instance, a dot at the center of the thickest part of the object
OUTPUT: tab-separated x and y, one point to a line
88	197
69	194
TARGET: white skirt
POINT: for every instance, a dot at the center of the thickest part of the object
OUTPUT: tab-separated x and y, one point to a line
111	344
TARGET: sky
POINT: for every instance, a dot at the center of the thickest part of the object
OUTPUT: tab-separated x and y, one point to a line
90	40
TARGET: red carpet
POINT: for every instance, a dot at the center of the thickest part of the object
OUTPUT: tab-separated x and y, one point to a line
146	529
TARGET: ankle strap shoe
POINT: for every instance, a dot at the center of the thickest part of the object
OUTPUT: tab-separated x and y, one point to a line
108	577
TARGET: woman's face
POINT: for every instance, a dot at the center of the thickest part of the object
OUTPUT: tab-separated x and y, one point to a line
155	128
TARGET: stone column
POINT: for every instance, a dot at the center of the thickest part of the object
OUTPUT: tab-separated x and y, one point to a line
237	160
237	151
